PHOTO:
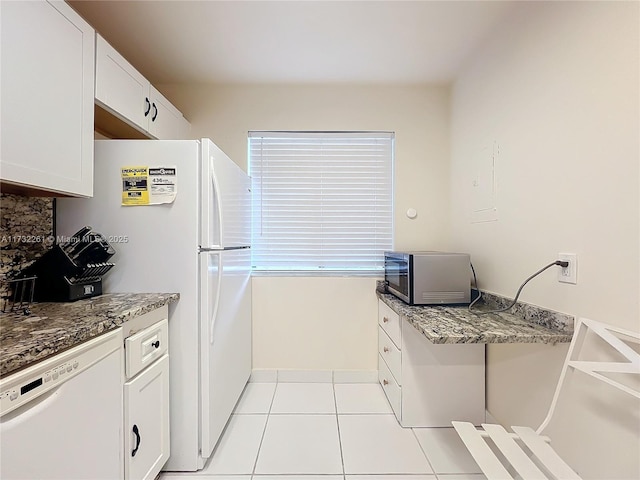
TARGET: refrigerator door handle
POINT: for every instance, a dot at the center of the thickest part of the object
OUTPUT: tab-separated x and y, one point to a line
211	214
218	202
225	249
225	208
217	304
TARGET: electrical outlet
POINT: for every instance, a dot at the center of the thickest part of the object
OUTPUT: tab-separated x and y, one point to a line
568	274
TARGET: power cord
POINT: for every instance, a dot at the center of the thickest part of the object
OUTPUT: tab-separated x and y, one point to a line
475	283
560	263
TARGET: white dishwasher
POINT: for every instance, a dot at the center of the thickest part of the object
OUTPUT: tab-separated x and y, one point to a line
62	417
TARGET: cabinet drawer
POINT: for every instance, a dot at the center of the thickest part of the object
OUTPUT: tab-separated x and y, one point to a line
391	388
390	354
390	322
143	348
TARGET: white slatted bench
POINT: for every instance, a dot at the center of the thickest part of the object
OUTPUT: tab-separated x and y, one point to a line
541	461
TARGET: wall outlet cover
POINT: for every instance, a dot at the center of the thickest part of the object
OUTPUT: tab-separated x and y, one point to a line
568	274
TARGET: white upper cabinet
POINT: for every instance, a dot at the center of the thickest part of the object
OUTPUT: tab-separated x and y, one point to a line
120	88
46	107
124	92
165	121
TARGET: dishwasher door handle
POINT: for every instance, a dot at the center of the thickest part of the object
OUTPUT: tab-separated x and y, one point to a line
32	408
136	432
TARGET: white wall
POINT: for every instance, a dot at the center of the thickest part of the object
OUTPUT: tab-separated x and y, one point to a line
557	89
324	323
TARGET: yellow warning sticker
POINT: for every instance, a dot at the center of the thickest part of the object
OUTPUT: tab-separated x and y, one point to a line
135	185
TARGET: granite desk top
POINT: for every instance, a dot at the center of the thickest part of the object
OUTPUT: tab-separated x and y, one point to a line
450	324
54	327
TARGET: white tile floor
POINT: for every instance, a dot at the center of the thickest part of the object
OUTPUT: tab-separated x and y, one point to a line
322	431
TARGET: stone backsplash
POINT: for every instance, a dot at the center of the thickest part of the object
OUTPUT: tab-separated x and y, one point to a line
26	232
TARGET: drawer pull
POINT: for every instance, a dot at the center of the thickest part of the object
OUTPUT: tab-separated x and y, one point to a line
385	319
156	344
386	349
384	382
136	432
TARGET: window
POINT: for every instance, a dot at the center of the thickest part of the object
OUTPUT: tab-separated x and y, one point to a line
322	201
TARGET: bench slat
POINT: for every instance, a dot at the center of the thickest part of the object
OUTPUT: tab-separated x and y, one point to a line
513	453
547	455
481	453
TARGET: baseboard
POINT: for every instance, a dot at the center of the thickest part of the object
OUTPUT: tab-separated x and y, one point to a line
305	376
490	418
355	376
260	375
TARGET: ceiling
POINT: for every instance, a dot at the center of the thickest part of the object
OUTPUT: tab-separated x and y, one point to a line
370	42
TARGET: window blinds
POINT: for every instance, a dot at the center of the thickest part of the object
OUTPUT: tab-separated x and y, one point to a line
322	201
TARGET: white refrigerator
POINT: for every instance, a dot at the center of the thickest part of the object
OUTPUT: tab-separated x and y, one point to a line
198	246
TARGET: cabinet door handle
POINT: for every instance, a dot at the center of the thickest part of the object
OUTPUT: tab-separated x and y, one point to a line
136	432
385	319
385	349
384	382
156	344
148	106
155	113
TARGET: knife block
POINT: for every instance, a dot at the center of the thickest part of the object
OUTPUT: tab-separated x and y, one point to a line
60	279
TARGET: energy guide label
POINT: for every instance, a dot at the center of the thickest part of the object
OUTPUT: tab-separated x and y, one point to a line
149	185
135	186
162	184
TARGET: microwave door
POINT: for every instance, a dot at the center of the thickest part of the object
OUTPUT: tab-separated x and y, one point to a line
396	272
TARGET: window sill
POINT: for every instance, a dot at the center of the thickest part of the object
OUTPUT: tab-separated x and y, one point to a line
315	273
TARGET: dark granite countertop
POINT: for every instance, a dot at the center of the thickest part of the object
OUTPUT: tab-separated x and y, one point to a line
450	324
54	327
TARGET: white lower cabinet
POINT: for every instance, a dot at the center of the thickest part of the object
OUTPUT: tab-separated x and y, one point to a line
429	385
391	388
146	403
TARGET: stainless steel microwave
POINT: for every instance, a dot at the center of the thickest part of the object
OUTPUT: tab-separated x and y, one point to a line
428	278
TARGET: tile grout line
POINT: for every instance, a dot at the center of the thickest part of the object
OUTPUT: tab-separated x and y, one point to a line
270	413
433	470
264	431
372	476
335	403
